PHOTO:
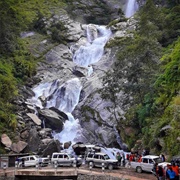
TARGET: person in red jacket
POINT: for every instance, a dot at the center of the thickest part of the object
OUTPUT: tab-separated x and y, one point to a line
175	168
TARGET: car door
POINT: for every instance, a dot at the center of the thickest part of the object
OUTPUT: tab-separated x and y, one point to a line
32	161
102	161
96	160
150	165
67	161
60	159
27	162
147	164
54	158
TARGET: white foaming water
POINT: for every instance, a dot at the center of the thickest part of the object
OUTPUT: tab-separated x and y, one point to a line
40	90
131	8
94	49
66	97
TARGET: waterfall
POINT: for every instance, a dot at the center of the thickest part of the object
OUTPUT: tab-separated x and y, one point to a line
94	49
65	96
131	8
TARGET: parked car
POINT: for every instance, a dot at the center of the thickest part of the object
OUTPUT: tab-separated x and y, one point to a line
33	160
146	163
176	160
65	159
99	159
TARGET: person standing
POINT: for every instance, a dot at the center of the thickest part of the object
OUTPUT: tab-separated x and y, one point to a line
175	168
40	162
118	157
160	173
23	162
170	174
154	170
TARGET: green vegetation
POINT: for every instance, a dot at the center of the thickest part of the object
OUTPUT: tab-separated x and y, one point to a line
148	72
17	64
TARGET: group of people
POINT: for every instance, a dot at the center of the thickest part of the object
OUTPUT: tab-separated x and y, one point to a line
17	160
121	158
171	172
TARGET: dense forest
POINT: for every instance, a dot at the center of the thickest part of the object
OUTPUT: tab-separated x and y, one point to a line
149	62
152	74
17	64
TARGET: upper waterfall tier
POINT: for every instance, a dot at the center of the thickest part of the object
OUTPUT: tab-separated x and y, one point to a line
92	52
131	8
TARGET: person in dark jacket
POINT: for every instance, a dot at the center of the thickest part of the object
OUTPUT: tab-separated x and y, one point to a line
160	173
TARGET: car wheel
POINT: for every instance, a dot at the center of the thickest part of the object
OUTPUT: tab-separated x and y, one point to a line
139	169
91	164
110	167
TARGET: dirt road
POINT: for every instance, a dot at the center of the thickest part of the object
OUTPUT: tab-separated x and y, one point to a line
122	172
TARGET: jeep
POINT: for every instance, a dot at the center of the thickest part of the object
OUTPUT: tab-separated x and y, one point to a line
100	159
65	159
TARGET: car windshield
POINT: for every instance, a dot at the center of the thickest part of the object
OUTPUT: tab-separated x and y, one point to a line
106	157
158	160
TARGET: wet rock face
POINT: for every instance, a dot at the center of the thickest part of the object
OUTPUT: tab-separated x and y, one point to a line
94	114
53	120
95	11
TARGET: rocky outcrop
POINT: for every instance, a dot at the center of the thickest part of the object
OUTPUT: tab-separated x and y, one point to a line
52	119
95	11
48	149
35	118
33	141
5	140
18	147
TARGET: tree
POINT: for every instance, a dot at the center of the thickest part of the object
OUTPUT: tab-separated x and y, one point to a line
130	83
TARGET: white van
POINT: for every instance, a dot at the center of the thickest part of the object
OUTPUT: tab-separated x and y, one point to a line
32	161
65	159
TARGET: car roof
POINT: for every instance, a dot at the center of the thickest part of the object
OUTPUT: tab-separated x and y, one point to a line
60	153
28	156
98	153
151	156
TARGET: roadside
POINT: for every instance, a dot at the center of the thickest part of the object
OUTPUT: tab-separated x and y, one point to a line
122	172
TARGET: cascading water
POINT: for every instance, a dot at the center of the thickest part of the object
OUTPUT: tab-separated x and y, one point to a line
93	50
131	8
65	97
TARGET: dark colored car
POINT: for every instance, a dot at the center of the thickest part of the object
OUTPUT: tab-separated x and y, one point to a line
176	160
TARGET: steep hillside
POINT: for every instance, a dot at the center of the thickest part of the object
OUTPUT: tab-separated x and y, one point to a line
135	106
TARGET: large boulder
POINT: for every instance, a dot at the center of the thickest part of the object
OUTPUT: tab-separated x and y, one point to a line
52	146
33	141
35	118
5	140
53	119
18	147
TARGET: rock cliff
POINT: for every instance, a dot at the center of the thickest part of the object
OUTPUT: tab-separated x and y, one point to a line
96	116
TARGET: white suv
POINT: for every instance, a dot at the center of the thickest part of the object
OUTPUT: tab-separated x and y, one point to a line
65	159
32	161
99	159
